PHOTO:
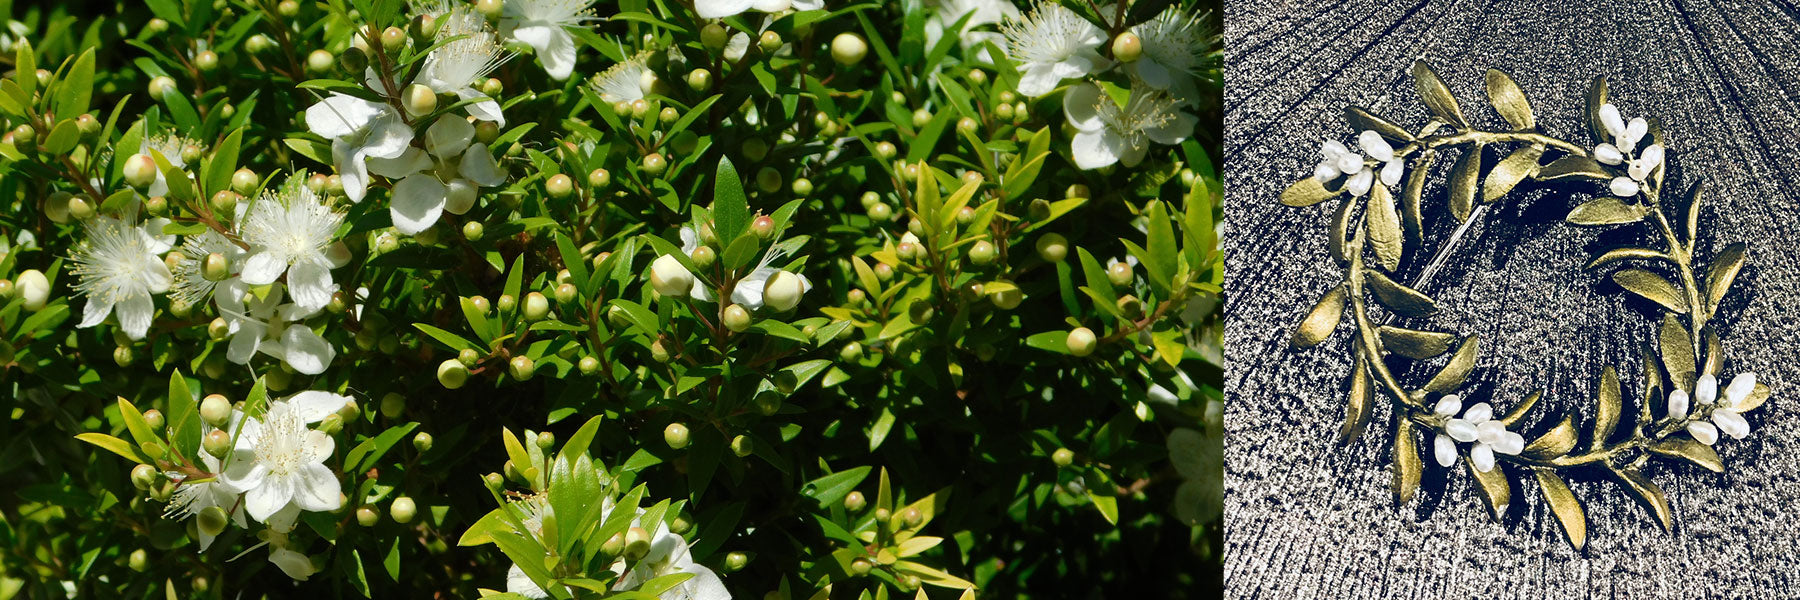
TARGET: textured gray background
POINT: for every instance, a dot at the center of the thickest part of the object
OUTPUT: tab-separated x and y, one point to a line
1305	519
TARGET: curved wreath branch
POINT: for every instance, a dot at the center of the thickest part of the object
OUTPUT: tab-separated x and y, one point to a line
1684	409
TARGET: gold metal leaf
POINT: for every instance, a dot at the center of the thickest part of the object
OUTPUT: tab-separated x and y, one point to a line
1340	232
1677	352
1361	119
1652	384
1413	215
1573	167
1511	420
1509	100
1715	356
1437	95
1408	464
1609	210
1496	489
1693	210
1647	494
1457	370
1652	287
1506	175
1617	254
1755	400
1356	406
1606	416
1722	273
1307	192
1384	227
1564	505
1415	344
1692	451
1322	320
1596	97
1399	298
1556	442
1463	177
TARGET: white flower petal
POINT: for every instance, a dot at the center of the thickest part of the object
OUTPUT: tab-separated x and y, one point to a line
1634	132
719	9
1392	172
1490	432
449	136
1678	404
478	166
95	313
1461	430
559	56
1608	154
1151	73
306	352
263	268
485	109
1483	457
1037	79
1325	172
1703	432
1081	105
389	137
310	285
339	115
1740	388
273	495
1360	183
135	313
1096	149
317	489
1479	413
1511	443
1706	389
409	162
1624	187
246	341
313	406
352	171
1375	146
1731	423
417	203
517	582
1609	118
1444	449
1448	405
294	564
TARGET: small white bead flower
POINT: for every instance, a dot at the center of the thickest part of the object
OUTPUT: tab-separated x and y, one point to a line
1623	148
719	9
191	285
1478	426
669	555
263	324
423	194
119	271
279	462
358	129
289	231
542	24
193	497
1173	44
455	67
1107	134
1725	417
1052	43
624	82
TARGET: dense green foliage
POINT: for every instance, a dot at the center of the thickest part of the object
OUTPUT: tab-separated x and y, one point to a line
360	298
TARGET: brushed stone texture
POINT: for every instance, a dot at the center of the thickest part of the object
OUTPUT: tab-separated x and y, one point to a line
1306	519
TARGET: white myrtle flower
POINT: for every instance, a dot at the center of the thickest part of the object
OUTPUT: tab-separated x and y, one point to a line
290	231
193	497
669	555
542	24
624	82
263	324
191	285
1623	150
1107	134
535	508
1052	43
455	67
292	562
279	463
119	271
358	129
444	176
1726	417
719	9
985	12
171	148
1478	426
1173	42
1393	166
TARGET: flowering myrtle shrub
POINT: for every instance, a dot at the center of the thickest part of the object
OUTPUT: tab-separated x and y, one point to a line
551	298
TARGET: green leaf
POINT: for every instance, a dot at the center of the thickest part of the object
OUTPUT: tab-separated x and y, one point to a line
216	175
1463	178
1360	119
1722	273
1457	370
1108	506
76	89
1507	174
116	446
63	137
455	342
25	69
730	208
831	489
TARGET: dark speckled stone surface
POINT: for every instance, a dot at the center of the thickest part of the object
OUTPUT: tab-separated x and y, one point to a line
1306	519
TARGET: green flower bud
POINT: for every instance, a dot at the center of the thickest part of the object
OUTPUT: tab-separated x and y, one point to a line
802	187
161	87
472	231
565	293
331	424
884	272
217	443
1131	306
212	520
491	9
1007	299
140	170
1062	457
218	329
921	118
640	109
1081	341
80	210
869	199
655	164
598	179
139	560
1127	47
588	365
676	435
452	374
742	446
156	26
754	149
735	561
1077	191
861	566
225	202
422	442
913	517
880	213
855	502
506	304
536	306
714	36
393	39
143	476
318	63
908	582
1038	210
244	182
769	41
668	115
736	318
966	126
768	180
703	257
494	481
124	356
768	404
851	352
1052	247
287	8
763	226
848	49
418	99
492	87
521	368
1003	111
367	515
393	404
670	278
559	186
1119	273
403	510
637	543
885	150
256	44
